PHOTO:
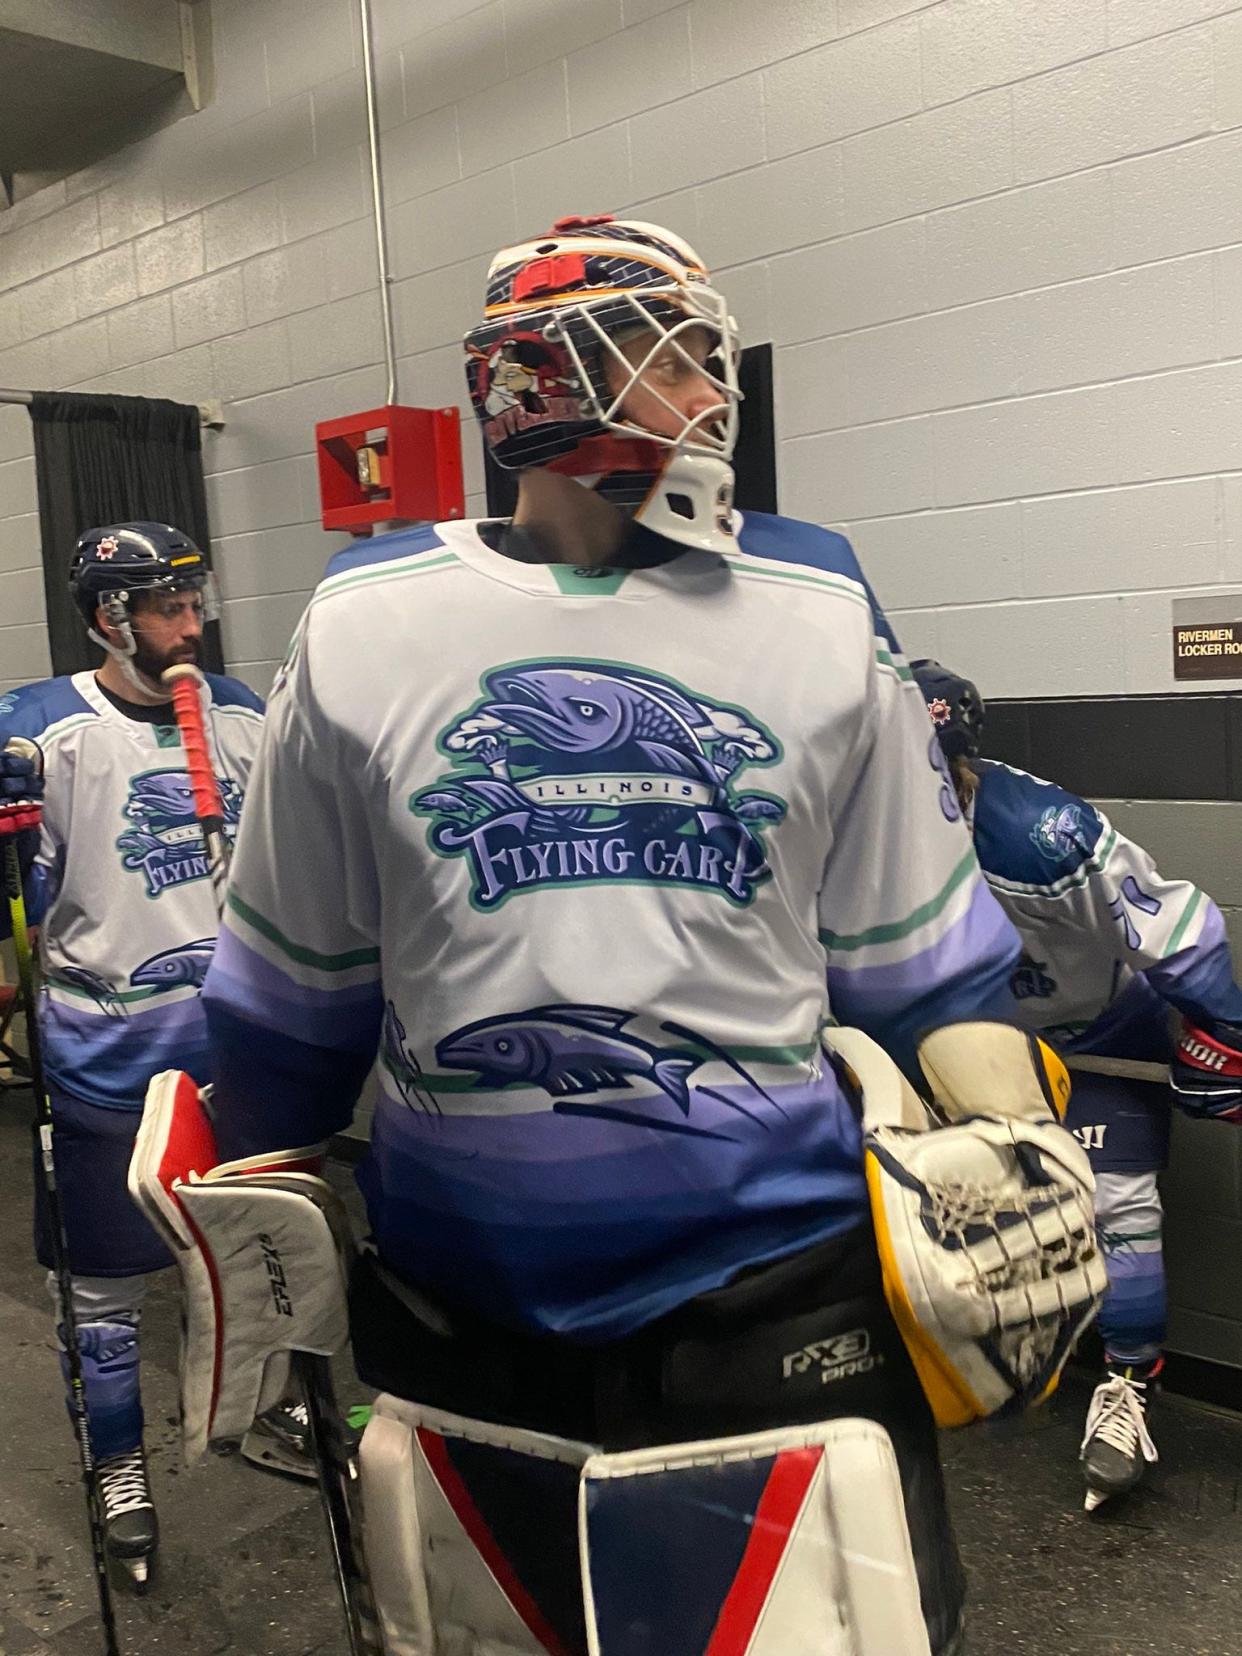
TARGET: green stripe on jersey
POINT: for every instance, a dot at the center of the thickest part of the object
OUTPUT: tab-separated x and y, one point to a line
843	587
1179	931
297	951
896	929
418	564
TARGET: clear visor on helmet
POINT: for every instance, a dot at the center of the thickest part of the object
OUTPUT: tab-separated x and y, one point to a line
167	599
692	348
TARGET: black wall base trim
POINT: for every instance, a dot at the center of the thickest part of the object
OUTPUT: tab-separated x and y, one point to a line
1199	1378
1124	747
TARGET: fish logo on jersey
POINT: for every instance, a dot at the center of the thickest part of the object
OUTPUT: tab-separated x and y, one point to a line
171	968
576	772
1058	832
93	986
572	1052
166	841
403	1066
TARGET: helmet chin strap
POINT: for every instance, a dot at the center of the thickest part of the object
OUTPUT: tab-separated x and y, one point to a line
124	658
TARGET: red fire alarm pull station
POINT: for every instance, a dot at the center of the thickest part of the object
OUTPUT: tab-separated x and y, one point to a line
392	462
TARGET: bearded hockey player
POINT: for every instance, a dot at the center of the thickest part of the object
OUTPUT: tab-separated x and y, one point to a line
585	824
1117	961
117	883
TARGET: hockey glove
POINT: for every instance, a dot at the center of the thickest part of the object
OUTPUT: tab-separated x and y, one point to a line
21	793
986	1226
1206	1072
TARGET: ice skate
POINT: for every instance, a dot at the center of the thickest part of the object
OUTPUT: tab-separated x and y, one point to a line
130	1524
279	1441
1117	1445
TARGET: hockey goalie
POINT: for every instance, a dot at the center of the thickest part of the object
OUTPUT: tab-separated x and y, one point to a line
613	839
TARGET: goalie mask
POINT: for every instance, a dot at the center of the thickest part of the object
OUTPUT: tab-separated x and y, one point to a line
549	378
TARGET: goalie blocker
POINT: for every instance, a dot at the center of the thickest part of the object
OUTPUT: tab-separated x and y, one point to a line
789	1394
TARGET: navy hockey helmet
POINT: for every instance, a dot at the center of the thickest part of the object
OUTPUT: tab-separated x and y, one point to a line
955	706
121	560
558	308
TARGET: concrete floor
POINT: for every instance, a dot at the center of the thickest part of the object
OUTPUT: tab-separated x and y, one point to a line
243	1568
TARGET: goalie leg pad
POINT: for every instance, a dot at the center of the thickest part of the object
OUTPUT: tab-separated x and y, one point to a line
486	1540
791	1542
471	1534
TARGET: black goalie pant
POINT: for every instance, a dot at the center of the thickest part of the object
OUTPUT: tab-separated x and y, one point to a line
806	1339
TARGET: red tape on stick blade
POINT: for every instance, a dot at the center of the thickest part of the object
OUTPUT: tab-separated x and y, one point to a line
188	710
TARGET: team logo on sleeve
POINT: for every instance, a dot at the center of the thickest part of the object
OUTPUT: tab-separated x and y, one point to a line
1058	831
164	840
573	772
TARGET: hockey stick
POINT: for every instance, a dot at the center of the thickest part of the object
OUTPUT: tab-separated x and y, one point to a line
56	1221
334	1464
1129	1069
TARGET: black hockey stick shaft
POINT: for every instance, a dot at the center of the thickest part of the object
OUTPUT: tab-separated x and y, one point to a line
334	1466
59	1243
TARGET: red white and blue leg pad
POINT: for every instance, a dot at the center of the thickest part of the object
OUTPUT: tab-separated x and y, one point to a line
505	1542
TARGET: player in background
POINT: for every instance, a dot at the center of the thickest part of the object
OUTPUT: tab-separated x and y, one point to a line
583	824
1117	961
116	881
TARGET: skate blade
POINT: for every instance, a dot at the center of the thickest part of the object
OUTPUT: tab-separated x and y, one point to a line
1094	1498
135	1571
268	1458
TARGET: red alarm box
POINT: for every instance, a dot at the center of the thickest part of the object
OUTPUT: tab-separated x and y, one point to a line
392	462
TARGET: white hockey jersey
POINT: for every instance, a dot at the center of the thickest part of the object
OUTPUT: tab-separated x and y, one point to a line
1109	944
590	856
120	887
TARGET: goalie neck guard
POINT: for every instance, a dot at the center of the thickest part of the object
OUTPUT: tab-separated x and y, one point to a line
538	367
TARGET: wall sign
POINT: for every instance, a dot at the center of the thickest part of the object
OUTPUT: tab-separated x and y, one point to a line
1207	637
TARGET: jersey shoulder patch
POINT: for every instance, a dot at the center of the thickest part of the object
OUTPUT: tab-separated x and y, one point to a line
231	692
1030	832
382	549
789	540
34	708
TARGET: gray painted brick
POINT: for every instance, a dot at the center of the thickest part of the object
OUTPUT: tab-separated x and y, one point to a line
107	280
141	331
18	494
259	629
20	545
48	304
1194	840
24	652
172	254
21	597
80	353
208	308
254	361
242	226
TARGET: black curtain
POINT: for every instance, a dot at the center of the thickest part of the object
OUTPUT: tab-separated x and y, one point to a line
111	460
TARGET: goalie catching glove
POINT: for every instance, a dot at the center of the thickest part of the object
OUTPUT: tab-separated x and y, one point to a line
985	1226
1206	1072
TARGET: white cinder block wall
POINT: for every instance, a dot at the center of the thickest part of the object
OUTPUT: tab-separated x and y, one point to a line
997	244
